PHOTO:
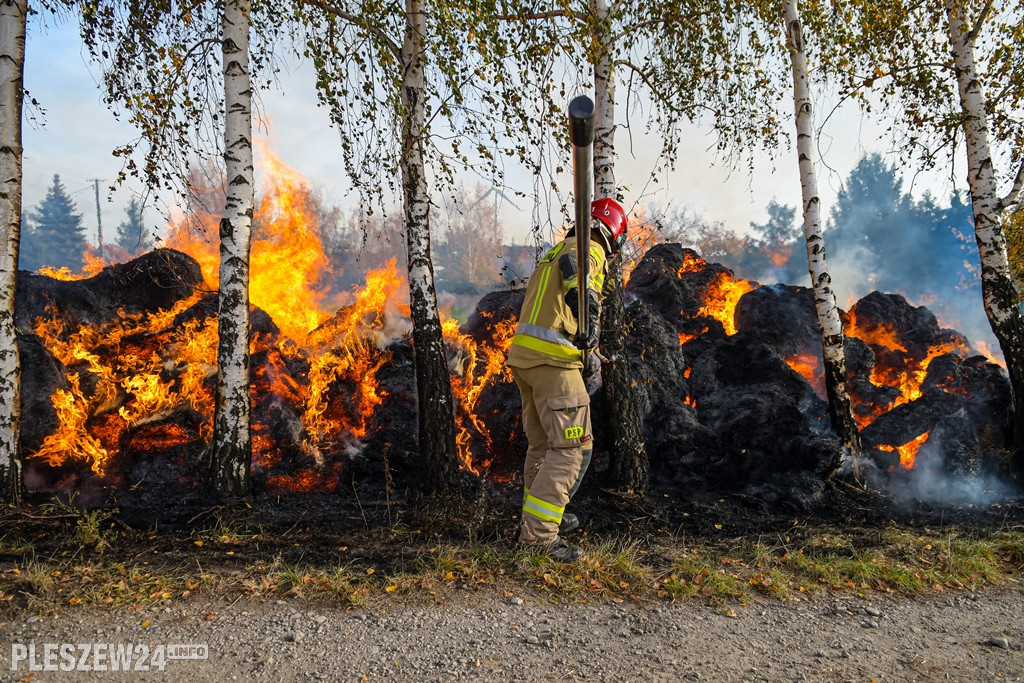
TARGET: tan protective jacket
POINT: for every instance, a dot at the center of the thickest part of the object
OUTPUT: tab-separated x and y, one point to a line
546	324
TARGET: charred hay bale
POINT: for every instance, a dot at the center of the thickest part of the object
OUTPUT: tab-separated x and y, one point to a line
158	472
909	420
771	429
869	398
41	376
40	296
492	309
656	362
276	403
986	390
657	368
684	455
392	433
782	316
944	417
498	406
915	326
154	281
675	282
206	310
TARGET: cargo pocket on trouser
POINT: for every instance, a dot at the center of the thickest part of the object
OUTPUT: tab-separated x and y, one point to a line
568	421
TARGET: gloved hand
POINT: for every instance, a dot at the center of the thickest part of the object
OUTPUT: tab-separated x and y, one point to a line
592	338
593	317
591	366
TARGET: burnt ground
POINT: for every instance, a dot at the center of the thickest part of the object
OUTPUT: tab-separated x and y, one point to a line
390	531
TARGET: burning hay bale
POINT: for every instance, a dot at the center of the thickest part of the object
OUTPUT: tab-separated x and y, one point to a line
152	282
119	377
734	416
754	392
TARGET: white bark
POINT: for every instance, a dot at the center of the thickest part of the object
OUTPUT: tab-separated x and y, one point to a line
824	297
981	175
630	463
436	403
13	15
999	294
604	105
232	447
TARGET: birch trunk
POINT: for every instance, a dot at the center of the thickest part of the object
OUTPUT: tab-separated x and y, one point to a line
13	15
832	339
630	465
1000	297
232	445
436	404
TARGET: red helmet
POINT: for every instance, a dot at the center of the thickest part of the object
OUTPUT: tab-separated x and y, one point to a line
611	222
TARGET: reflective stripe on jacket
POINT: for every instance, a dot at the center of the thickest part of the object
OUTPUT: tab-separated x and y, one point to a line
546	324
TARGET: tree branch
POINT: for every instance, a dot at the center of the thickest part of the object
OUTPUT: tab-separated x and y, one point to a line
661	96
972	36
358	22
536	16
1013	197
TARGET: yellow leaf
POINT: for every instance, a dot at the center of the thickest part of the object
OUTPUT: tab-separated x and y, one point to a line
145	624
370	570
74	601
198	543
391	589
718	526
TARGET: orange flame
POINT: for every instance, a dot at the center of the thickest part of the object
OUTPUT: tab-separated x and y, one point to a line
883	334
907	451
475	367
993	355
808	366
722	298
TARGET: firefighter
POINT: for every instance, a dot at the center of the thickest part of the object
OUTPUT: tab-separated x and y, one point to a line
547	361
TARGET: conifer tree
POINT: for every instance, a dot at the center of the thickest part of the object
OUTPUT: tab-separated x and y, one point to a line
131	233
57	236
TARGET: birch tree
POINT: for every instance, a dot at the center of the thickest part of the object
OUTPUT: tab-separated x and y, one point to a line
231	455
399	80
949	77
13	17
630	464
184	75
832	338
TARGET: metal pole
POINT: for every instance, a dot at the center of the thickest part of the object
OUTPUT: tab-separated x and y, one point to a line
581	133
99	220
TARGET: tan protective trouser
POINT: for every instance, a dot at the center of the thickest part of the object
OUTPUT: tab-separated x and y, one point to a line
556	418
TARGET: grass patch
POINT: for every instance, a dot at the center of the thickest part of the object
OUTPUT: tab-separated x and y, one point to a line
59	558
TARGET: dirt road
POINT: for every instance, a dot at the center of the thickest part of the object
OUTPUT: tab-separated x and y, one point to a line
960	637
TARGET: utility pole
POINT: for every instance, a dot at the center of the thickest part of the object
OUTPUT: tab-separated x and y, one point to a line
99	222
